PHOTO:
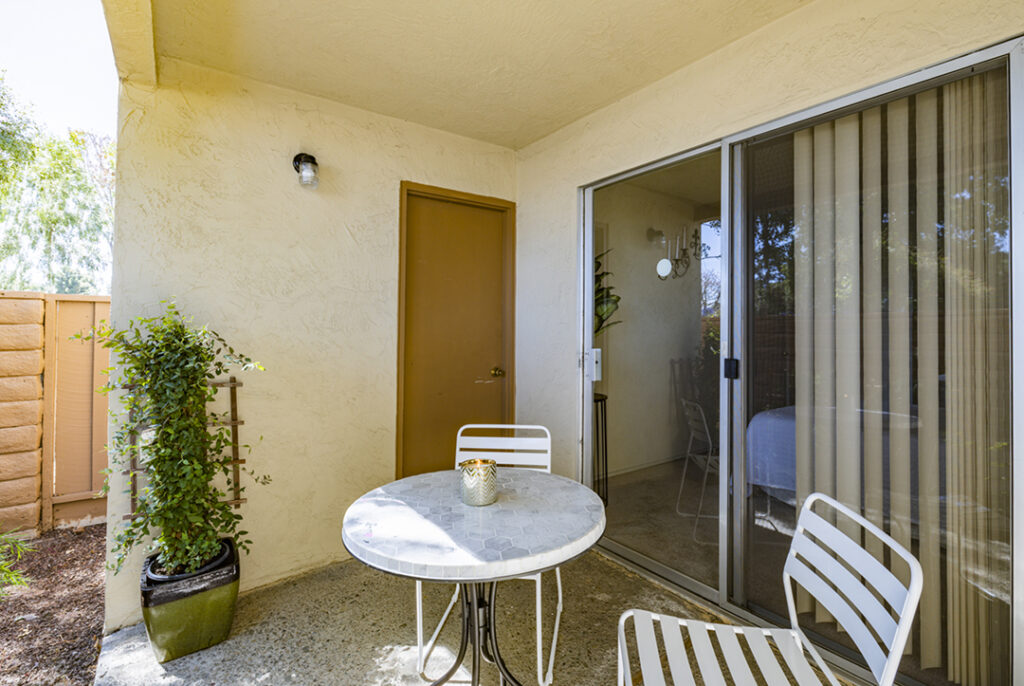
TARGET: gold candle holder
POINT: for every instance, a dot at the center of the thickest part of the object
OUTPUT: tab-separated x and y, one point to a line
479	482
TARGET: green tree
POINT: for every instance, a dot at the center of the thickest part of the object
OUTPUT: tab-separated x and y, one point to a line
17	141
56	206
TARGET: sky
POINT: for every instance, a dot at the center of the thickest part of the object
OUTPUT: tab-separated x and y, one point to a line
58	62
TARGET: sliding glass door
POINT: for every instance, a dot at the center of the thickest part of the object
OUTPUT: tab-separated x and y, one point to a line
657	244
877	312
829	313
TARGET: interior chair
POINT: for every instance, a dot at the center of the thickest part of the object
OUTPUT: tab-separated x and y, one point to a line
700	448
509	445
869	602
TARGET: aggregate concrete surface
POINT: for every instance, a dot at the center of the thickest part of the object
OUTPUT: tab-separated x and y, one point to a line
347	624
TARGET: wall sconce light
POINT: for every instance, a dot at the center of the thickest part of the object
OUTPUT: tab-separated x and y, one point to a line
677	265
307	168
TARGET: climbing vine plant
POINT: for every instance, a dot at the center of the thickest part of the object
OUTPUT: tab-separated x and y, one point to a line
164	366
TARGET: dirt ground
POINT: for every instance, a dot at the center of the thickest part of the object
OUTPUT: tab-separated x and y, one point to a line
50	630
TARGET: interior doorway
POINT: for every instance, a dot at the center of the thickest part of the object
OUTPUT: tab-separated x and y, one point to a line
658	282
456	321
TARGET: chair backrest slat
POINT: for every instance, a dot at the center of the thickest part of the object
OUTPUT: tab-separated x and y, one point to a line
840	577
529	445
866	564
841	610
517	444
506	459
816	564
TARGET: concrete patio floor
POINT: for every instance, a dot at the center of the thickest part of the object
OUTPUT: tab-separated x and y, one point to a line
347	624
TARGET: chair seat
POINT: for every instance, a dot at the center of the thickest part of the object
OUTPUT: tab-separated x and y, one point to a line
685	639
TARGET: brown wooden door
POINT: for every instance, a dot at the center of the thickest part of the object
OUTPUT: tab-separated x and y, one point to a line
456	321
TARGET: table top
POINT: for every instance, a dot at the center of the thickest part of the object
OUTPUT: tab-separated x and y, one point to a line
419	526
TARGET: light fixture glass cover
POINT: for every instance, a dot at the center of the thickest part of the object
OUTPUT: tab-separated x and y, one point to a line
308	169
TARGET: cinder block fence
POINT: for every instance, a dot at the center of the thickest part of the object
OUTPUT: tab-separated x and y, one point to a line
52	422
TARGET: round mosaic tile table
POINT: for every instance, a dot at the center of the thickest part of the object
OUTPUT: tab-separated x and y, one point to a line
418	527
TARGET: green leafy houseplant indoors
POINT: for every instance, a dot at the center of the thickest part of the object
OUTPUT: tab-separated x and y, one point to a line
605	302
164	366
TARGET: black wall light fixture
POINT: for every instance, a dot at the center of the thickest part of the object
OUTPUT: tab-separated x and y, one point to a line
308	169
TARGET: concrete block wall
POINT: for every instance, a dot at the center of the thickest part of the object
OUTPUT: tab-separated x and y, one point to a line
21	412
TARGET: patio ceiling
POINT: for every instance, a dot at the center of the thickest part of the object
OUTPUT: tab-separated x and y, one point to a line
494	70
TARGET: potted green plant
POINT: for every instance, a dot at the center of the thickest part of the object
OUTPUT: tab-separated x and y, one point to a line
190	581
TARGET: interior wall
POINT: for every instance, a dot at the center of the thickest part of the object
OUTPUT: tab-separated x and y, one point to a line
821	51
210	213
659	323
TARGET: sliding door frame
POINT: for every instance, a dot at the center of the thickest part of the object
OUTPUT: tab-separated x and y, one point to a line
1016	78
586	308
1011	53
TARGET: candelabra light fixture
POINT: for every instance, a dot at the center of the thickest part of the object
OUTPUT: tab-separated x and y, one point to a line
676	264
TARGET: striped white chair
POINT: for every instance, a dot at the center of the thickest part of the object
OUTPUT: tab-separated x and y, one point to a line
870	603
509	445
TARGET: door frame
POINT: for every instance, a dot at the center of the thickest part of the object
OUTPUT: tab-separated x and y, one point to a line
508	210
586	313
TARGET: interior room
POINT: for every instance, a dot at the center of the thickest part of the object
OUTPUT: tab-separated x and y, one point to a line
657	238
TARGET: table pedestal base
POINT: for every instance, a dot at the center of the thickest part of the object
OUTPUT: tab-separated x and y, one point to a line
478	634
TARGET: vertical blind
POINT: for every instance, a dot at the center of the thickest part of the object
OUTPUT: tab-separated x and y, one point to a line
902	341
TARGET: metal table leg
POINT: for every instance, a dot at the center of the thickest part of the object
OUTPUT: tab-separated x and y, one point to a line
478	631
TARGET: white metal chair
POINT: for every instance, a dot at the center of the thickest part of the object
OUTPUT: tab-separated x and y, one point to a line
871	604
509	445
701	435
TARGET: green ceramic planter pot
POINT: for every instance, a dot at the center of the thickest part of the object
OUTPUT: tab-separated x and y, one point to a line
189	612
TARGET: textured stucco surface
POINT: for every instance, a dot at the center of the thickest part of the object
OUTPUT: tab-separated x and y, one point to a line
210	212
504	72
821	51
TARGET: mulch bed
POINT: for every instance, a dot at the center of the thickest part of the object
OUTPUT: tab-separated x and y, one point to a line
50	630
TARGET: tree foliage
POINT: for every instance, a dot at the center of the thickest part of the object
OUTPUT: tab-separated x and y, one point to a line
164	366
56	206
17	141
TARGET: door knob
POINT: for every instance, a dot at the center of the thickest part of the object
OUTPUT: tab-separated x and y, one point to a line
497	372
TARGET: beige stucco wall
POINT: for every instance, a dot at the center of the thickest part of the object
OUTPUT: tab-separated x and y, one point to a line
209	212
821	51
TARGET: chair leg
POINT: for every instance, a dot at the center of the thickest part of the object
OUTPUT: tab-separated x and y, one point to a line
540	648
682	481
423	651
542	678
700	503
558	620
419	626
